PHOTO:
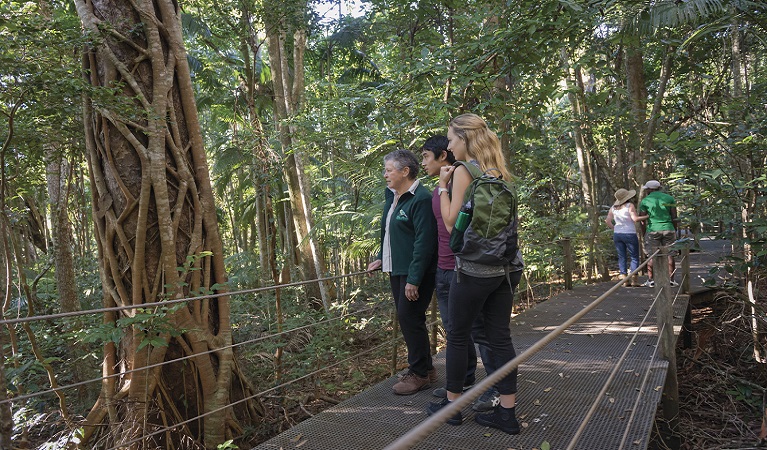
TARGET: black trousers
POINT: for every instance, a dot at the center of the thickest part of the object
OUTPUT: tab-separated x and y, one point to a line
492	298
412	322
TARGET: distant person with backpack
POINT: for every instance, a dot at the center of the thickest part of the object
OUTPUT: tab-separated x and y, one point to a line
408	253
435	155
660	228
488	264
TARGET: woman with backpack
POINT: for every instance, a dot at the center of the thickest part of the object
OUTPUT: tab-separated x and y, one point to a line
486	289
435	156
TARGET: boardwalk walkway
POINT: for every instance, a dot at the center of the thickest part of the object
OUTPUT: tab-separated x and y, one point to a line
557	386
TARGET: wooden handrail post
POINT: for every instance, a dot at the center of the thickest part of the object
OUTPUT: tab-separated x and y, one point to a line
568	252
664	305
667	345
686	269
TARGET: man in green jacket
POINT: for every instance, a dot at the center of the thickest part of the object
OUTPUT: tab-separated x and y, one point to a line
659	211
409	254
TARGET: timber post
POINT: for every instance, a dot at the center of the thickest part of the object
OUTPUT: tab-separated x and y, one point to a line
686	269
667	347
568	252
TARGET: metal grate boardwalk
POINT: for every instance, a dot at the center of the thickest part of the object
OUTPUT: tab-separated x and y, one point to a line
557	386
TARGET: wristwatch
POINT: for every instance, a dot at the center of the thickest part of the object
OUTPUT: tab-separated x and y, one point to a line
441	190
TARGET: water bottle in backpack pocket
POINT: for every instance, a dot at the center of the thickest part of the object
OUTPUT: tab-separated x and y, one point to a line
461	224
464	217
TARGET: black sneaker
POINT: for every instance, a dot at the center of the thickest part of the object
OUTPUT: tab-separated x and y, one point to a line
433	407
501	418
487	401
442	392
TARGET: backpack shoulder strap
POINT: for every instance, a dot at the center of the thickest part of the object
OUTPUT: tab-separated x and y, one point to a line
474	171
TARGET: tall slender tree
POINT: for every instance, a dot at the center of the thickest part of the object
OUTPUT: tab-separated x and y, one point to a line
286	26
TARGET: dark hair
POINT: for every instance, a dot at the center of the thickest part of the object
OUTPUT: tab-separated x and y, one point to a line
438	144
402	159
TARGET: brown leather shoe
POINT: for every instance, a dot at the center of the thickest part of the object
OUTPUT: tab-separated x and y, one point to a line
410	384
432	375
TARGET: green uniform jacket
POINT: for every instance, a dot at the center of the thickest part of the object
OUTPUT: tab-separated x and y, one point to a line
413	238
658	206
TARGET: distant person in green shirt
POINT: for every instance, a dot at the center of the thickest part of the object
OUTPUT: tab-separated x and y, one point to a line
658	213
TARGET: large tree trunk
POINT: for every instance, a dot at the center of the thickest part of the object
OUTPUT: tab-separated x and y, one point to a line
287	98
157	234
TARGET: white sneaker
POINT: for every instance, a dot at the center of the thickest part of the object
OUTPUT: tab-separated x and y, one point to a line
673	283
648	283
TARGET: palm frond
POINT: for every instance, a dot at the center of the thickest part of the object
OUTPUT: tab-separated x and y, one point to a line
674	13
194	26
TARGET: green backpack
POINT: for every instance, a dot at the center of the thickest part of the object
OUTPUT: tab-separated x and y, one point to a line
491	236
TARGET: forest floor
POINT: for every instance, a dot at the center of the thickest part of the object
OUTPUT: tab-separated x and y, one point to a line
722	389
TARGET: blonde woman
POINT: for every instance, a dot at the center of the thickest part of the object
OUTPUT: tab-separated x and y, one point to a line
477	289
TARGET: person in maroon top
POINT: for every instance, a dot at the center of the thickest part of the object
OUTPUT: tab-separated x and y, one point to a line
434	154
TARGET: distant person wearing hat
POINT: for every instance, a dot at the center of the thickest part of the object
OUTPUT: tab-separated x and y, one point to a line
621	219
660	209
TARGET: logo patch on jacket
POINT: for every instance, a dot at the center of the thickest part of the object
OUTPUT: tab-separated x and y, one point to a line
401	215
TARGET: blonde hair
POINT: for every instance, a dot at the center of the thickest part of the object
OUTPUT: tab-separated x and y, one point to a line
481	144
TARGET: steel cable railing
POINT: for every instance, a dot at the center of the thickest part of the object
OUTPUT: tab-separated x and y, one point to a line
170	301
183	358
643	384
273	388
425	428
250	341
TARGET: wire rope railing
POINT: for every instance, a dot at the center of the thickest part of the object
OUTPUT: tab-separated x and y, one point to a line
25	320
28	319
183	358
218	349
170	301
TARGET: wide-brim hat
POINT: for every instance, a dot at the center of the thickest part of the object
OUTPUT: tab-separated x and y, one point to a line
622	196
